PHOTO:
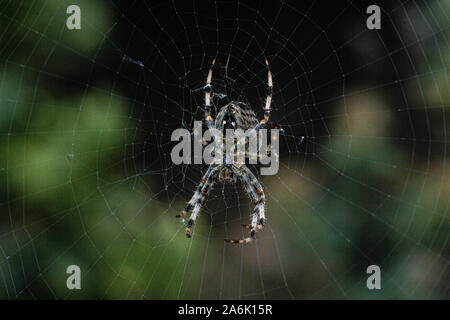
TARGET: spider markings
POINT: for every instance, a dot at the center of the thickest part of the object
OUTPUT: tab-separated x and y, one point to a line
235	115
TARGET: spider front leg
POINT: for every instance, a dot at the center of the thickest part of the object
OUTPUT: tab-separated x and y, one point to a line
199	198
269	95
207	88
256	193
267	107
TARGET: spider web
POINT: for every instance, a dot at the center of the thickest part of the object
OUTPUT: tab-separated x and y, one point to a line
87	179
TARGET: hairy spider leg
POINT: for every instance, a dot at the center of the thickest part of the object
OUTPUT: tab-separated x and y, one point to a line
197	194
269	95
207	88
267	108
259	202
207	186
256	193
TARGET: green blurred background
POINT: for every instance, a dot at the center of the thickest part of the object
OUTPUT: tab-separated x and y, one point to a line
85	172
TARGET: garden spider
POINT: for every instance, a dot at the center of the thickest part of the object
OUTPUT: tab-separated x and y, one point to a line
234	115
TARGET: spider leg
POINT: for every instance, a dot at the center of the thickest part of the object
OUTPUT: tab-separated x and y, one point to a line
207	186
207	88
197	194
267	108
256	193
260	198
269	95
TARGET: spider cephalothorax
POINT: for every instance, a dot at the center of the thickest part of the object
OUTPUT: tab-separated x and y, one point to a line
234	115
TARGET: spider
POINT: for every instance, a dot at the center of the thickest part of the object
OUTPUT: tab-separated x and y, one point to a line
234	115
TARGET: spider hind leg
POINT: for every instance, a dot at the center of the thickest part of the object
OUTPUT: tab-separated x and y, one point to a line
245	240
256	193
198	199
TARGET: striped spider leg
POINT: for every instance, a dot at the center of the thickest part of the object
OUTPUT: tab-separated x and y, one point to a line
199	197
269	95
256	193
267	107
207	88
